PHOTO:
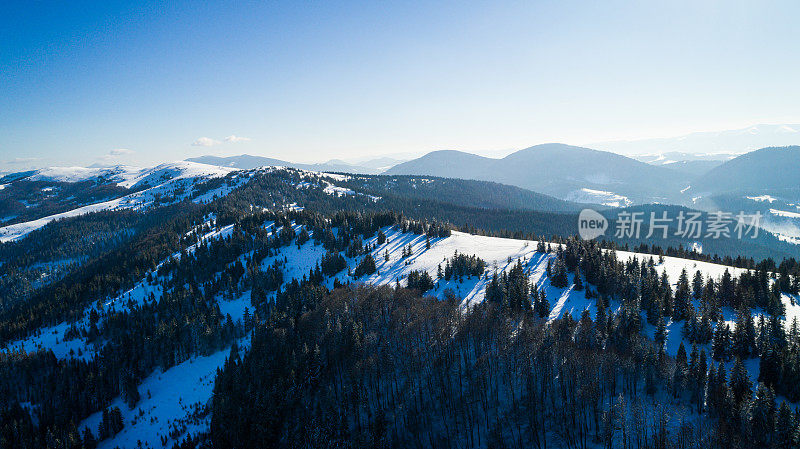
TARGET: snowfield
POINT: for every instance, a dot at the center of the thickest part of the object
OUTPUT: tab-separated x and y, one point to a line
118	174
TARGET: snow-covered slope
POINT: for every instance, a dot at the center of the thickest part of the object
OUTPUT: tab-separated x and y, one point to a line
172	182
116	174
172	400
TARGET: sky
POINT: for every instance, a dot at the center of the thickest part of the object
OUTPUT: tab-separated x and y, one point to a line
145	82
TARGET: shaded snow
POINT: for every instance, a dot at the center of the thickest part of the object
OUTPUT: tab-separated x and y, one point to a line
167	399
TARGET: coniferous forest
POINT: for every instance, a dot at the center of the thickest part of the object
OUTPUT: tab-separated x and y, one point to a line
325	355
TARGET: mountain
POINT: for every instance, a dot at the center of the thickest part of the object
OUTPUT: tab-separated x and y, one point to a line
692	164
563	171
670	157
175	320
459	192
246	162
692	168
729	141
381	164
184	319
772	170
446	164
50	194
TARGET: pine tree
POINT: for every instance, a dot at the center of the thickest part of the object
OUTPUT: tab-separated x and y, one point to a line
585	334
761	416
705	331
542	305
680	376
103	428
711	389
682	306
666	292
559	279
660	336
600	316
744	335
721	344
366	266
89	442
577	281
494	292
769	367
740	382
784	427
697	285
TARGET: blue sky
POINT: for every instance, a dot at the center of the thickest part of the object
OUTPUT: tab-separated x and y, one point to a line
143	82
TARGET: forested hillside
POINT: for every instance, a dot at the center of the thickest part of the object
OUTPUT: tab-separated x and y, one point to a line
302	310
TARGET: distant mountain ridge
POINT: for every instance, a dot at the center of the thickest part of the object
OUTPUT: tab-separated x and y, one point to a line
559	170
247	162
728	141
772	169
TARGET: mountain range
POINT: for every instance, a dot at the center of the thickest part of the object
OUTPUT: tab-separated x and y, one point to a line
563	171
246	162
601	177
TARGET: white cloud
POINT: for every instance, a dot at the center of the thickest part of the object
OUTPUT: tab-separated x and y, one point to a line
205	142
114	155
235	139
120	152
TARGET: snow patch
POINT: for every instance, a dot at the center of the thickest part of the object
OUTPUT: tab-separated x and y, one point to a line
605	198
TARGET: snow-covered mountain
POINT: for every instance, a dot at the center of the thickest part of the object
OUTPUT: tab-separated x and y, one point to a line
162	184
246	161
153	304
